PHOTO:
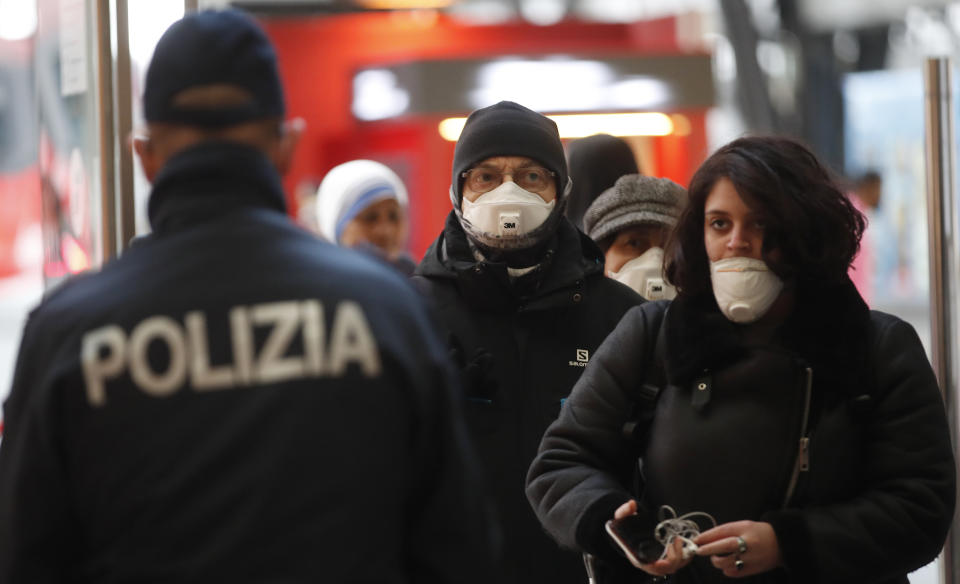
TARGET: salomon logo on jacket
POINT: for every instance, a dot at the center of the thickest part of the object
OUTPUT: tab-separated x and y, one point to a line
583	357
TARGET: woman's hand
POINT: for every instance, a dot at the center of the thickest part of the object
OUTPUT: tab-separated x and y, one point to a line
628	508
740	548
674	559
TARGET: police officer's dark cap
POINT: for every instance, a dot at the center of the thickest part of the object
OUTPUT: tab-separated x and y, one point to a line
213	48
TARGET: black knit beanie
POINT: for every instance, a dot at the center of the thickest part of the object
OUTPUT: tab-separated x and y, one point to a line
508	129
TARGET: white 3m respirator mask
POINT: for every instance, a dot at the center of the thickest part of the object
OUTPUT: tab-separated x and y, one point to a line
507	211
644	274
745	288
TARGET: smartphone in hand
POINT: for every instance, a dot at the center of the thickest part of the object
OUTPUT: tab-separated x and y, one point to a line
635	536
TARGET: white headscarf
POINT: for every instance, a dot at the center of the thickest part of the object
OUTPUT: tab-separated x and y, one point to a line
350	188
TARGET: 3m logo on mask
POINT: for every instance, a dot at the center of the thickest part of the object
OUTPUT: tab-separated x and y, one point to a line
583	357
510	223
295	344
654	289
644	274
504	214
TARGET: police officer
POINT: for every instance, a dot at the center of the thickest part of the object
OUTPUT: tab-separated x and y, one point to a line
233	400
525	302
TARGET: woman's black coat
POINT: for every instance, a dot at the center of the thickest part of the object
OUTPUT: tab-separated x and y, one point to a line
858	482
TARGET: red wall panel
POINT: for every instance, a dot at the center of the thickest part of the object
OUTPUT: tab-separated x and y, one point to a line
319	56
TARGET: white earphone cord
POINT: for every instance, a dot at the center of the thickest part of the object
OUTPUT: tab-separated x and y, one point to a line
672	527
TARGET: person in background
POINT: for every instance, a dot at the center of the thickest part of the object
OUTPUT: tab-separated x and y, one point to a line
523	298
808	427
630	222
596	162
233	400
306	200
868	189
363	204
865	196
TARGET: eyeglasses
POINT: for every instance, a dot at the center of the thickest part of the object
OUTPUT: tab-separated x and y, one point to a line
531	178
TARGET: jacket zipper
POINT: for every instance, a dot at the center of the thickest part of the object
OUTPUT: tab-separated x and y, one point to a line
802	463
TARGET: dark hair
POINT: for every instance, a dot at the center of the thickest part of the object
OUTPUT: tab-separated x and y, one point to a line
595	163
605	243
809	220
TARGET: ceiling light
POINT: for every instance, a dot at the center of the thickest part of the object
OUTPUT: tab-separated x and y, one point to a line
18	19
580	125
634	124
148	20
403	4
450	128
544	85
376	95
543	12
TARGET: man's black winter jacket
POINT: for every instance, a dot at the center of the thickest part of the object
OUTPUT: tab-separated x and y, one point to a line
234	401
522	345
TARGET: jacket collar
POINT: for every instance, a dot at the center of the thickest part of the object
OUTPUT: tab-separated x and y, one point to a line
568	259
829	329
210	179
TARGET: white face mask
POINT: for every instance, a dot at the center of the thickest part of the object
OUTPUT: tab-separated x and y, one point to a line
745	288
507	211
644	274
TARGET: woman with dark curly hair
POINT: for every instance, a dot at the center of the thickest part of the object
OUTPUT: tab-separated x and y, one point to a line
783	430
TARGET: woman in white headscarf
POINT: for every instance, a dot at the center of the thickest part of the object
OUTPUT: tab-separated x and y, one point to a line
363	204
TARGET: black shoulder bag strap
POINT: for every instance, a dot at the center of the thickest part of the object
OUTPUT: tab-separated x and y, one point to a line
637	428
644	408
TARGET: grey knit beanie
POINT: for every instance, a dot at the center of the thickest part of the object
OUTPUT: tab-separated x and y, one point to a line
634	200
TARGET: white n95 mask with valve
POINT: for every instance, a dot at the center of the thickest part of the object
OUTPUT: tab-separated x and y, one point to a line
506	212
644	274
745	288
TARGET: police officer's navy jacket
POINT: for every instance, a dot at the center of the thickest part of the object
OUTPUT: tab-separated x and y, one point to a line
522	345
234	401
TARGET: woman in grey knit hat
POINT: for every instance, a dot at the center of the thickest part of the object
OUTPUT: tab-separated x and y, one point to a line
630	222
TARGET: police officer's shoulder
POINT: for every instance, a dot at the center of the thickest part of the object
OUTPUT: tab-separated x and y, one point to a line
398	315
93	287
90	281
65	289
60	304
365	274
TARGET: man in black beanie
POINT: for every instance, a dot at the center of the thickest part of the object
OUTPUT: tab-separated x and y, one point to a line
232	400
524	299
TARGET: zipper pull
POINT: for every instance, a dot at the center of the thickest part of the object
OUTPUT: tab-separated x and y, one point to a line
701	391
804	454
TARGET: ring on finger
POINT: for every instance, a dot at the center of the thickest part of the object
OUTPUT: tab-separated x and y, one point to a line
738	565
741	545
